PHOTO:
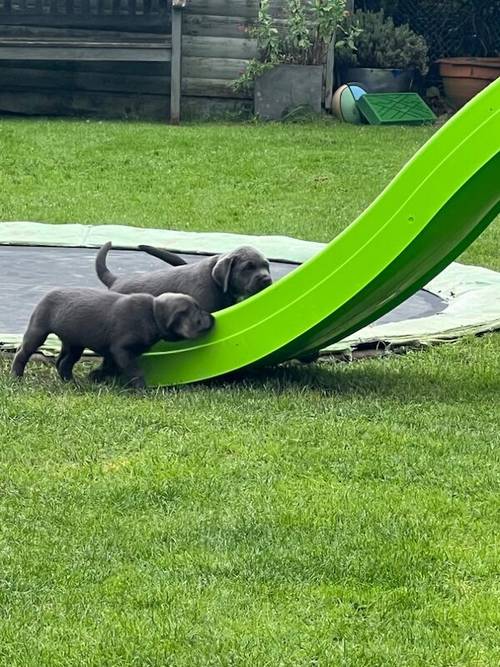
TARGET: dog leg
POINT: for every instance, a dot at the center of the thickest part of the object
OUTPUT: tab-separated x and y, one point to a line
32	340
106	370
66	360
128	366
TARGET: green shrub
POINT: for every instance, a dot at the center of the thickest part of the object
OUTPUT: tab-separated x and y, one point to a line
377	42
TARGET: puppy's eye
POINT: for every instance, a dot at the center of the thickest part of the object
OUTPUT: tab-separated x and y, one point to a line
250	266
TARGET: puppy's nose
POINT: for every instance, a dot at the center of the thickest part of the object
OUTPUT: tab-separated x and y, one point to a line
211	321
265	281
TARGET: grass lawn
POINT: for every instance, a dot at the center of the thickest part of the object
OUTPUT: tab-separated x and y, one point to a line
325	515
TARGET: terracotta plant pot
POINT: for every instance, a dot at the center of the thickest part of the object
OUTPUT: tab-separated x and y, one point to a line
465	77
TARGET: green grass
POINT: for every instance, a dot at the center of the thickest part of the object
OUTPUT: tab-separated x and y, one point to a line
326	515
308	181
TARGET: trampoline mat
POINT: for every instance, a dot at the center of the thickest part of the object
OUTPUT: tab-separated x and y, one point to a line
29	272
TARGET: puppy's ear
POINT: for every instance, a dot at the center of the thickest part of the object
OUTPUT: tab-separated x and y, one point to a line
168	312
222	271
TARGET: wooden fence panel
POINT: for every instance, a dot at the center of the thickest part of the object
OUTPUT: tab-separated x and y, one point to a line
216	49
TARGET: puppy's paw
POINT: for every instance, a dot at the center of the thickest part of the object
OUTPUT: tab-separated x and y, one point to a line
66	376
96	376
136	383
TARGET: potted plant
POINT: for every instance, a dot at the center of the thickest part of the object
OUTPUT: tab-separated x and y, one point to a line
380	56
292	52
465	77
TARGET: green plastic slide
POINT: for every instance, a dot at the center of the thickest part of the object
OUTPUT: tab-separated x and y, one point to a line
435	207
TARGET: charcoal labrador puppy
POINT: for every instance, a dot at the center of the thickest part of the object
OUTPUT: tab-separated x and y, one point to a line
118	327
215	282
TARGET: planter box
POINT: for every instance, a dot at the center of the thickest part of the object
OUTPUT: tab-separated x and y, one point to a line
465	77
379	80
286	87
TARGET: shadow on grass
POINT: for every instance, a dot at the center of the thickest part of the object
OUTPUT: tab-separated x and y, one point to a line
428	382
425	377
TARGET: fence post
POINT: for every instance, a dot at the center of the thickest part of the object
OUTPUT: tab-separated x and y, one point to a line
176	62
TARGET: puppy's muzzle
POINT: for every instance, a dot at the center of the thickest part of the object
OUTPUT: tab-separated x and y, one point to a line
264	281
208	321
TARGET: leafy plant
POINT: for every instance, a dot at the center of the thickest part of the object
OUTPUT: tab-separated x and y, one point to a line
302	38
377	42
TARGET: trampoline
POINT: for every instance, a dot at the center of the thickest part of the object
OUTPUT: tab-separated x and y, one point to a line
30	272
37	257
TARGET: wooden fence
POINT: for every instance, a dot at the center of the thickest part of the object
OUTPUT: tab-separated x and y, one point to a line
216	48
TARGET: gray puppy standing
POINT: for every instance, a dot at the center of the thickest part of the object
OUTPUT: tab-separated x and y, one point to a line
215	282
118	327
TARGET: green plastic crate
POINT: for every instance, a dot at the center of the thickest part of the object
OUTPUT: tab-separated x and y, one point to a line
391	108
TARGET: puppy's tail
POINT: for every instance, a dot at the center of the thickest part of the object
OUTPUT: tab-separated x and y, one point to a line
103	273
166	256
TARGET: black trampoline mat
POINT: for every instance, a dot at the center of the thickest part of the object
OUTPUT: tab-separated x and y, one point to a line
29	272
